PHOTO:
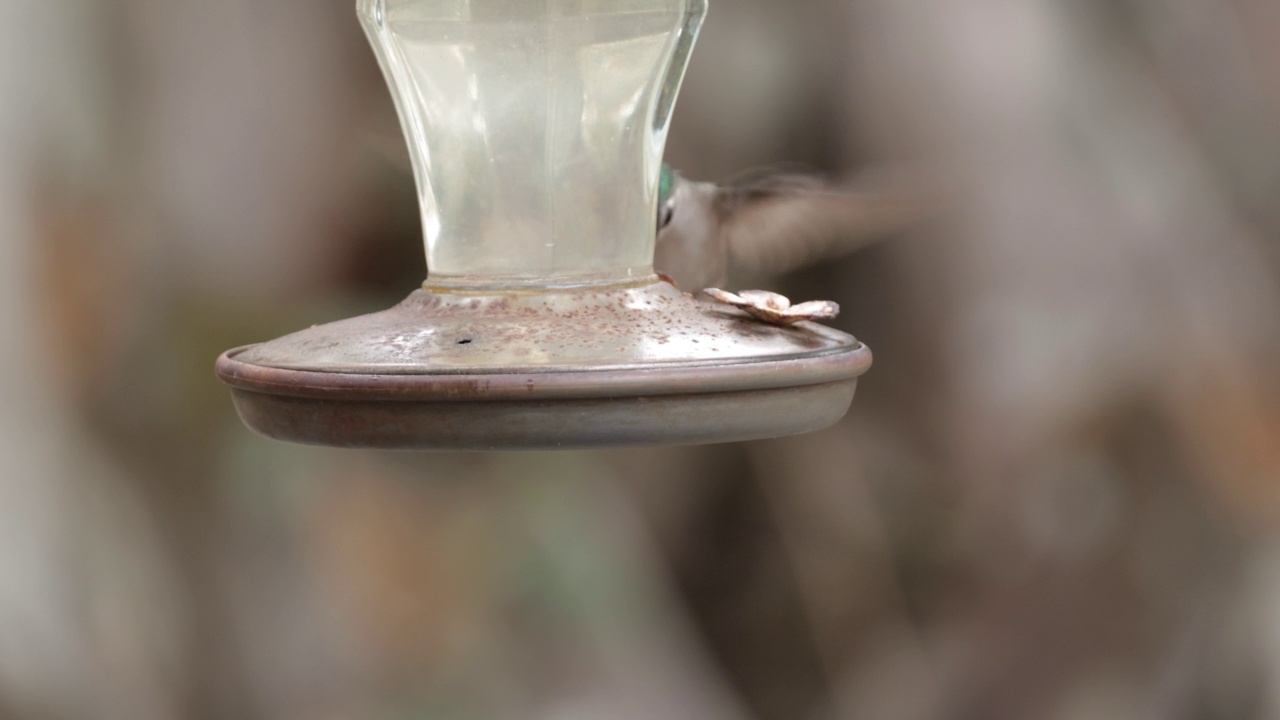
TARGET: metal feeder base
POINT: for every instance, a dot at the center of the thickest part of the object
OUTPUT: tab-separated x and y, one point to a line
593	367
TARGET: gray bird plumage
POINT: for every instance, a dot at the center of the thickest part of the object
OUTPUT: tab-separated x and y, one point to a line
769	226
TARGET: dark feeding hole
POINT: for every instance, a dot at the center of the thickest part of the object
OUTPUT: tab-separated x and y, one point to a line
464	342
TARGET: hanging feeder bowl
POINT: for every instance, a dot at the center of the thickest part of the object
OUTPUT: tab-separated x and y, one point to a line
536	135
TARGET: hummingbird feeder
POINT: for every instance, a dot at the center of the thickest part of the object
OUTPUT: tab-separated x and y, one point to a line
536	131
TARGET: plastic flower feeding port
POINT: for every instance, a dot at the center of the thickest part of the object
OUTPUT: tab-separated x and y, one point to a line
536	131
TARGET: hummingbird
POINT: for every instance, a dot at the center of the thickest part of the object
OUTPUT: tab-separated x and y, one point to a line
766	225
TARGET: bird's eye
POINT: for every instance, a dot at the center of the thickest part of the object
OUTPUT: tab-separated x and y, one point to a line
666	214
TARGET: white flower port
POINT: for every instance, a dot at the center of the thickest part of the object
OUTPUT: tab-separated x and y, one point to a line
773	308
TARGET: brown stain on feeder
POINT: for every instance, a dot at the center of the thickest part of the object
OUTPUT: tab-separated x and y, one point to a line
627	365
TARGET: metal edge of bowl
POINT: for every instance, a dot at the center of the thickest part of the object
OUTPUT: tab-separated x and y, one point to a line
523	385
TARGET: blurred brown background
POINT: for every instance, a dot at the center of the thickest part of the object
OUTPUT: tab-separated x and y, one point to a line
1057	495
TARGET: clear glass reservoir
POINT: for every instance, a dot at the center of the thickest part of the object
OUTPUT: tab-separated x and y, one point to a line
536	129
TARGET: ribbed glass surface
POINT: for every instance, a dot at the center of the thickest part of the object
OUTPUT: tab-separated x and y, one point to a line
536	129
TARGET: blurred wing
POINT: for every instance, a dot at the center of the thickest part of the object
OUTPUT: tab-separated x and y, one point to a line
785	223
